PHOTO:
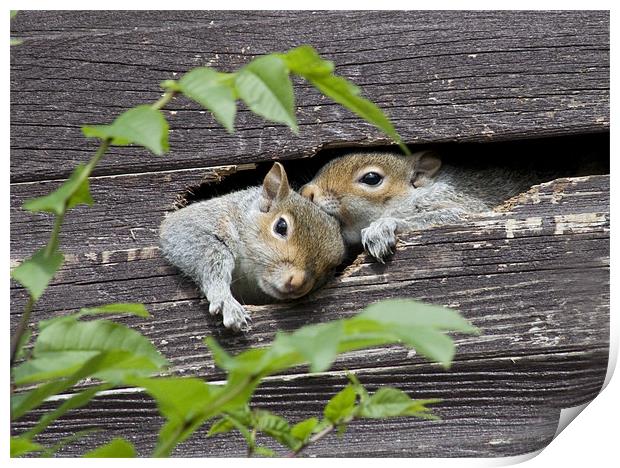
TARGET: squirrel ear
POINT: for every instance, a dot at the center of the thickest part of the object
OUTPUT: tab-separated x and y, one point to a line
425	166
275	187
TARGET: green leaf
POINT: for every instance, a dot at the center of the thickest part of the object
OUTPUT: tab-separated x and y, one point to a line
131	348
343	92
76	401
221	426
117	308
51	366
179	398
388	402
264	85
318	344
264	451
141	125
116	448
113	366
36	272
361	392
74	191
408	313
275	427
13	13
21	403
66	345
306	62
22	445
16	42
186	403
432	344
303	429
214	91
341	406
95	335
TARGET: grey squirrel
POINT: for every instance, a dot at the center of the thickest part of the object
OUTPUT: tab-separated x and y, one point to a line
254	245
376	195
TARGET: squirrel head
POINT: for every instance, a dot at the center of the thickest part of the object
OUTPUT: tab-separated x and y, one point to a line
302	244
356	188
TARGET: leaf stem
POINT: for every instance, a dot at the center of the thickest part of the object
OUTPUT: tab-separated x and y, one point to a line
51	247
165	99
315	438
21	328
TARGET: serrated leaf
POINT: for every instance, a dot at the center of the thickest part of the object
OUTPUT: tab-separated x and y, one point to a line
116	448
265	86
214	91
36	272
275	427
96	335
51	366
141	125
74	191
264	451
221	426
22	445
318	344
306	62
65	346
304	429
343	92
117	308
341	406
388	402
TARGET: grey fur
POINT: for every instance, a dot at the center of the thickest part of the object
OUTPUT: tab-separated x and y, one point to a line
218	244
446	197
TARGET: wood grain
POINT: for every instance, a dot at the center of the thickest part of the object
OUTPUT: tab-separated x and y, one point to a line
533	276
440	76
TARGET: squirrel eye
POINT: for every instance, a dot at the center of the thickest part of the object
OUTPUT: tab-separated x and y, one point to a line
371	178
281	227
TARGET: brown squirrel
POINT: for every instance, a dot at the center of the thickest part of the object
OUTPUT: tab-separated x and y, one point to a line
254	245
377	195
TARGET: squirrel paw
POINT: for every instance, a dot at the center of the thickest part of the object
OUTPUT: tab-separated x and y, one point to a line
379	239
235	316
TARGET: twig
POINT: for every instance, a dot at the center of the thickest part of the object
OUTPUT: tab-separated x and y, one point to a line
315	438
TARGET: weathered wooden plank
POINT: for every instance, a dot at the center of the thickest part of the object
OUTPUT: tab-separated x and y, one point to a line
533	277
441	76
130	207
536	281
491	407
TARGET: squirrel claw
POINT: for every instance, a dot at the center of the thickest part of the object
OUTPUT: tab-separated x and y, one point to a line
235	316
379	240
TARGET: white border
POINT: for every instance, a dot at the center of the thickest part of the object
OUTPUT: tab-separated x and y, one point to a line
592	439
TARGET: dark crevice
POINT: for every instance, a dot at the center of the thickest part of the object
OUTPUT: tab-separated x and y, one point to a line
569	155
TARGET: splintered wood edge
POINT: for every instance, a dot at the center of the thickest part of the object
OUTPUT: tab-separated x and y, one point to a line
212	175
534	195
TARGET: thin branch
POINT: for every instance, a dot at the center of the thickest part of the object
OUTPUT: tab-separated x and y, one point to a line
315	438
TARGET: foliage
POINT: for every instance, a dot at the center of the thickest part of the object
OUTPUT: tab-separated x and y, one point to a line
71	348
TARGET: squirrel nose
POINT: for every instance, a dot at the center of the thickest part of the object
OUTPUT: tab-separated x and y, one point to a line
295	281
311	192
